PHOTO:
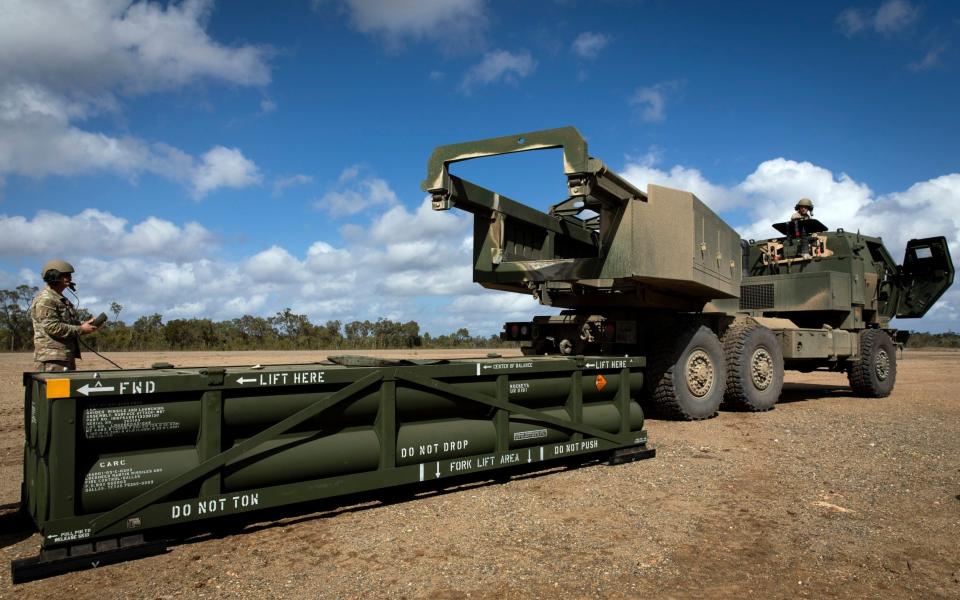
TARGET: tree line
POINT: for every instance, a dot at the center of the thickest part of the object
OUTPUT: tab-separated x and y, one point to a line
920	339
286	330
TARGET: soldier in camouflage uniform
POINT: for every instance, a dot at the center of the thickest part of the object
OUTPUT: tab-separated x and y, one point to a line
56	327
804	209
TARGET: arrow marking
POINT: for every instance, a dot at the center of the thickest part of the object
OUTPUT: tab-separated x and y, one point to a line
529	456
242	380
438	469
86	390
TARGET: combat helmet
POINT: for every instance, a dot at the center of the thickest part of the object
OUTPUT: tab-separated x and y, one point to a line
53	269
804	202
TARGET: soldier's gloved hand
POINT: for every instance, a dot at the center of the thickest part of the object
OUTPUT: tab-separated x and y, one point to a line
87	326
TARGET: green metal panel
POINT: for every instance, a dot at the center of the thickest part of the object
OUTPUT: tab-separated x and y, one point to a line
608	244
575	159
807	292
120	452
679	246
858	282
926	274
877	288
114	478
438	440
299	457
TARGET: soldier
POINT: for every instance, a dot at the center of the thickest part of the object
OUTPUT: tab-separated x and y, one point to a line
56	327
804	209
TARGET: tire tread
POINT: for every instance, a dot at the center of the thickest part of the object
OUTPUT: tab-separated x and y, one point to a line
663	362
734	341
861	373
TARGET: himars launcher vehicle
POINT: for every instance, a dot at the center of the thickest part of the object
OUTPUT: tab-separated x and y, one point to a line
658	274
662	299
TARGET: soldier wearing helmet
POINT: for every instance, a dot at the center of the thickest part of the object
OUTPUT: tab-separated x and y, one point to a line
56	326
804	209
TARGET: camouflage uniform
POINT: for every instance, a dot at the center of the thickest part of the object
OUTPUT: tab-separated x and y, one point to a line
807	202
56	332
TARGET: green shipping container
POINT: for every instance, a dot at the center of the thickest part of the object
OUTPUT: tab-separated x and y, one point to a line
115	456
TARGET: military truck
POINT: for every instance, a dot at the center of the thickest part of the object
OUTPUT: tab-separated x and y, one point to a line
656	273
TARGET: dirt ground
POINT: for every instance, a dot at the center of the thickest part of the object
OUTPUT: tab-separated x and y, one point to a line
827	496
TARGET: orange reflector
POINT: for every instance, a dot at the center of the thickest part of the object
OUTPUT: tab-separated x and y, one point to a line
601	382
58	388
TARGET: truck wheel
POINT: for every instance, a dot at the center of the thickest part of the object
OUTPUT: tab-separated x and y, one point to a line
754	367
875	372
687	374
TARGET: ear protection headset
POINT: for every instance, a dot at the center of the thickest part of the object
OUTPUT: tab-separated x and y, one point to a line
51	275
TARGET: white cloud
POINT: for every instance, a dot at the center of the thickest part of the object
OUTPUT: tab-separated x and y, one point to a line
894	15
267	106
282	183
589	44
348	174
767	195
145	285
91	48
36	138
100	233
245	305
410	264
484	311
496	66
322	257
415	252
650	103
353	194
399	225
274	265
223	167
504	307
852	20
435	20
934	209
643	171
416	264
394	270
930	60
63	62
775	186
890	17
435	281
151	266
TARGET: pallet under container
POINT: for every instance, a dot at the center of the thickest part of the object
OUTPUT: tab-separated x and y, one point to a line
114	459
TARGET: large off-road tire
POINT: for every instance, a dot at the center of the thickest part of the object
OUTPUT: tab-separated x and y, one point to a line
754	367
687	374
874	374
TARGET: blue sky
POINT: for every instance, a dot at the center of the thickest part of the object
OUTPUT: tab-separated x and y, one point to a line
214	159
